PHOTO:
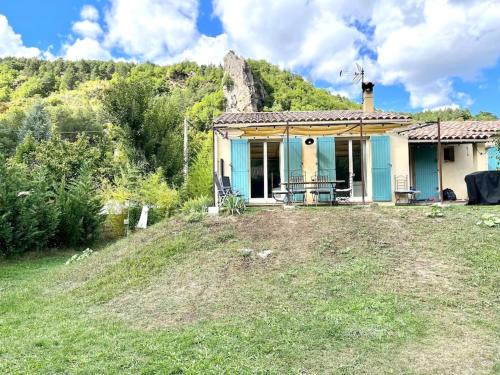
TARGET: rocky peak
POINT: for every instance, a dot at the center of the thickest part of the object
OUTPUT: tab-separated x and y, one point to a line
243	91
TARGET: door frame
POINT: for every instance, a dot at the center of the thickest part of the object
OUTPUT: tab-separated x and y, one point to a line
350	157
266	199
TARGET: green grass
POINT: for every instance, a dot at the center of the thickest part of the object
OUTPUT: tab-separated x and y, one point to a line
346	290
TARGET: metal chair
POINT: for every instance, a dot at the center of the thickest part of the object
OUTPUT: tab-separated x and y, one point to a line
224	188
401	190
344	195
323	189
297	189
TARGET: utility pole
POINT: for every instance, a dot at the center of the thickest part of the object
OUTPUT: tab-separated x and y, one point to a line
440	160
186	153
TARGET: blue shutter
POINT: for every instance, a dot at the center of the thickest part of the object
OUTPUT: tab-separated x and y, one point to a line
295	157
381	168
239	166
326	159
295	161
426	172
493	159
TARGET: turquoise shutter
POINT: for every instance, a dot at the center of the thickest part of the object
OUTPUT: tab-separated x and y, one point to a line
426	172
326	159
295	161
493	159
239	166
295	157
381	168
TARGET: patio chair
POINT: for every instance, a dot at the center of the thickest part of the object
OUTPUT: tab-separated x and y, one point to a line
297	189
402	191
226	185
224	189
343	195
322	189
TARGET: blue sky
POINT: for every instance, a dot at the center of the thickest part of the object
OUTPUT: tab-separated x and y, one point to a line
421	55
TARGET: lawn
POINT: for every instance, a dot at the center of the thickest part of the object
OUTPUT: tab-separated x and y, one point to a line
345	290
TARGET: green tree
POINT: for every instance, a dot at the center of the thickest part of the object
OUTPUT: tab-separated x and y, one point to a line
163	135
202	113
37	122
126	103
28	215
485	116
69	78
79	207
199	181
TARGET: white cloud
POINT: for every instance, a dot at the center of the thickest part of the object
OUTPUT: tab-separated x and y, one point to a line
422	44
86	48
11	43
89	13
206	50
87	28
292	33
87	45
425	44
152	29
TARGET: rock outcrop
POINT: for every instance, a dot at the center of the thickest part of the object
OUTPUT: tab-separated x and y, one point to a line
243	91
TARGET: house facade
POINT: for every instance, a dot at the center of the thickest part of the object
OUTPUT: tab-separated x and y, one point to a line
467	147
367	150
356	146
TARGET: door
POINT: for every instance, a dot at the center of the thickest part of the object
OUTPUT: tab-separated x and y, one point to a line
381	168
426	172
239	166
493	159
348	158
264	170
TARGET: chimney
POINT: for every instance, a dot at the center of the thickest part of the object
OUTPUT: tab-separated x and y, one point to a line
368	105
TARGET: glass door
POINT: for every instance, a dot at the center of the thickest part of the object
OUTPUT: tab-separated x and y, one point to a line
264	171
348	158
256	170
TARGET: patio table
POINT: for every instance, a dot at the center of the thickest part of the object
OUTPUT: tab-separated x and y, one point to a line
308	185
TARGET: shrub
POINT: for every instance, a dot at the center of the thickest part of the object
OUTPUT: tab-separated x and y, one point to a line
153	190
28	214
234	205
195	209
199	204
199	181
80	206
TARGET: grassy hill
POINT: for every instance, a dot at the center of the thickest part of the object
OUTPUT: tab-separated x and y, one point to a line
345	290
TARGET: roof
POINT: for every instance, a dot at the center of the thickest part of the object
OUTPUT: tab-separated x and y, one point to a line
246	119
452	131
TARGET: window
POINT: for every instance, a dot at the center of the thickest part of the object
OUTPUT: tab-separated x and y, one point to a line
449	153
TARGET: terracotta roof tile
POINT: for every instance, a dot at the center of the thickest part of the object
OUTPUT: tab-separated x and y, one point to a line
452	130
253	118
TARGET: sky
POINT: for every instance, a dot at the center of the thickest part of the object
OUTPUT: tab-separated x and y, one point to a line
421	54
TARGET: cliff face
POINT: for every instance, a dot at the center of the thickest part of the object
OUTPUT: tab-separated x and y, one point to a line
243	91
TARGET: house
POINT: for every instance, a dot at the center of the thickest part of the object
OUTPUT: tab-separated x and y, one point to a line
467	146
366	149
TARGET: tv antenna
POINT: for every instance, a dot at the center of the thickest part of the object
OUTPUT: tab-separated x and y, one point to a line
357	76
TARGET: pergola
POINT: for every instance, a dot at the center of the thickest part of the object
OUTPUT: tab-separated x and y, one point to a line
262	125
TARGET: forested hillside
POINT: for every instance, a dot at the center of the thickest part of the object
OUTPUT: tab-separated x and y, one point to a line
74	135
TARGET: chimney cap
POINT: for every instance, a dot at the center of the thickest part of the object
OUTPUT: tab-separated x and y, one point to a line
367	87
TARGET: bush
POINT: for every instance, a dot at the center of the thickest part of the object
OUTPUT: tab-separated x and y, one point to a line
199	204
79	206
28	214
154	191
199	181
195	209
234	205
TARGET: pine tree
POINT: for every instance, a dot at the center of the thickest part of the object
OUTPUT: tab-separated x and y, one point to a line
37	122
